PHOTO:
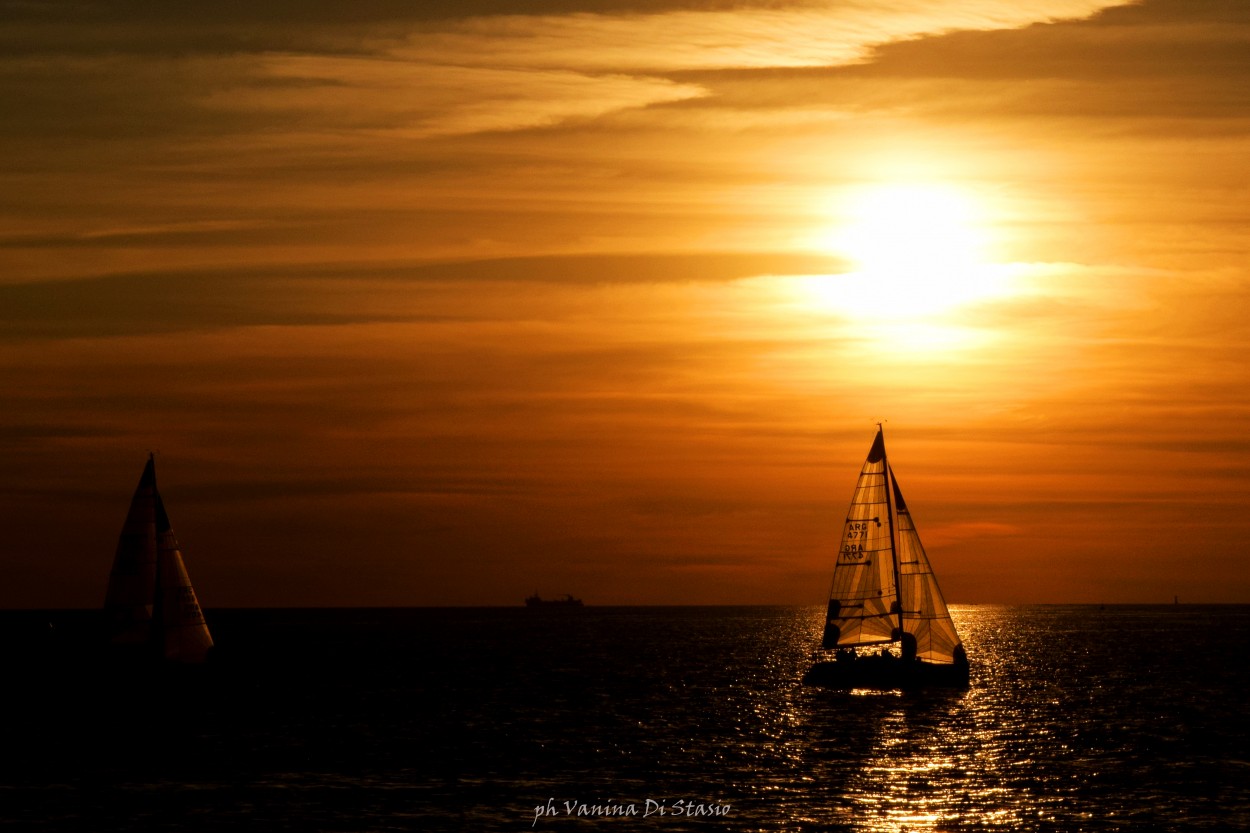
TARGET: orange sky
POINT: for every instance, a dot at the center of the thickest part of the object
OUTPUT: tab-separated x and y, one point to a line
450	305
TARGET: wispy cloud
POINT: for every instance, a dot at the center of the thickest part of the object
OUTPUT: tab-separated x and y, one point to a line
443	75
817	34
419	98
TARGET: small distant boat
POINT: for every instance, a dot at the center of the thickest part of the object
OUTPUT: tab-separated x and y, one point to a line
887	623
537	601
150	607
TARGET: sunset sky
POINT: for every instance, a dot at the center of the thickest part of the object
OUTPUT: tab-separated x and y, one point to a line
444	303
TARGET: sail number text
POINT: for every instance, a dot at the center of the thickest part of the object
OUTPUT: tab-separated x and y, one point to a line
853	539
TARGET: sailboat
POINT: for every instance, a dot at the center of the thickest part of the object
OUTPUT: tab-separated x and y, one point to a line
886	623
150	607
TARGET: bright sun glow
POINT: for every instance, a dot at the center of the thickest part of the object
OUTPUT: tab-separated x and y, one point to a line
908	231
918	250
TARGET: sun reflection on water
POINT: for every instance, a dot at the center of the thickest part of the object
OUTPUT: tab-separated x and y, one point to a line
1050	736
926	761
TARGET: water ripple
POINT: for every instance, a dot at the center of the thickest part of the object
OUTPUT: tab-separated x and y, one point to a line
1078	719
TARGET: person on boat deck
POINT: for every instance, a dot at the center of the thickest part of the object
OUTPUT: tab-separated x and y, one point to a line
961	656
908	644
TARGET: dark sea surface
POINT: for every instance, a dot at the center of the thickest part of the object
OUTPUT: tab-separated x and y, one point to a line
1078	718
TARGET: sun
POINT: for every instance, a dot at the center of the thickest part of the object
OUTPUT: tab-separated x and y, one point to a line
916	250
911	233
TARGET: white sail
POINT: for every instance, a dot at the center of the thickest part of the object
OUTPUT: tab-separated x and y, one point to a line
183	633
150	602
925	616
863	601
128	601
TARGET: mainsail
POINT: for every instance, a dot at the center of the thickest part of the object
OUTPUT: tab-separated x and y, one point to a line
150	601
132	582
884	590
863	604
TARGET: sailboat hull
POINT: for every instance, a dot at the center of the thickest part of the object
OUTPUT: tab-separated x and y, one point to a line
886	673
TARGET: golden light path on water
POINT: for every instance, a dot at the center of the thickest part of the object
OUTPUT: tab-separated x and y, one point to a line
923	761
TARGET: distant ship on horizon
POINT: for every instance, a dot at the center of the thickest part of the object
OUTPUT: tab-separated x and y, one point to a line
538	601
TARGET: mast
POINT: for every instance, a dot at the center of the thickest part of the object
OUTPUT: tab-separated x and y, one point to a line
889	514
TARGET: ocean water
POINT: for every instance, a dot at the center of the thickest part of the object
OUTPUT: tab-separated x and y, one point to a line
1079	718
